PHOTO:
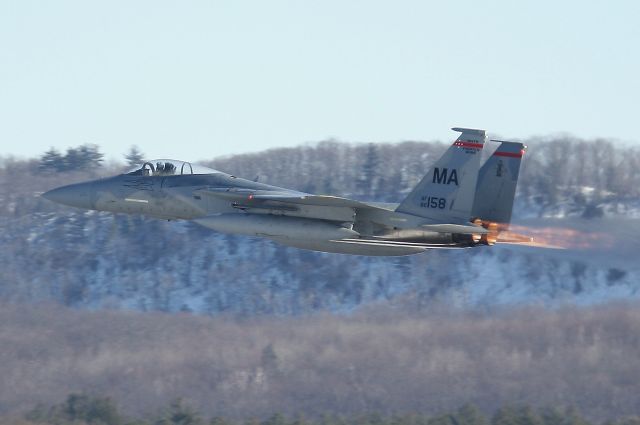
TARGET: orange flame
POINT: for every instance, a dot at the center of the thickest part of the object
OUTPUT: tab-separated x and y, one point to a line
555	237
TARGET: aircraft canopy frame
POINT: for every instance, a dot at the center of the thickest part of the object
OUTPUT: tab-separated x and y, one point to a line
169	167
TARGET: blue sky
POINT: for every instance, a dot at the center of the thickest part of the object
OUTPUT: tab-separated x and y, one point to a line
199	79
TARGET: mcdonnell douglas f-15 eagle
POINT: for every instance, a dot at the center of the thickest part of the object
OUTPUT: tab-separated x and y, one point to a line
458	203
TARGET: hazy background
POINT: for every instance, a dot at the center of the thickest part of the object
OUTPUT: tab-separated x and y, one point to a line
147	311
206	78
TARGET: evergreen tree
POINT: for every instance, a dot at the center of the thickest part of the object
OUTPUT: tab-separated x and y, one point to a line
79	408
92	155
73	160
134	156
51	160
84	157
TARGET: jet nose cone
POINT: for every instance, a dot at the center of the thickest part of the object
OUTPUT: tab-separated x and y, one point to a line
75	195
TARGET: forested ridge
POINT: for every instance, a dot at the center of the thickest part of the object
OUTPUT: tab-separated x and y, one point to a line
83	409
555	170
90	259
525	335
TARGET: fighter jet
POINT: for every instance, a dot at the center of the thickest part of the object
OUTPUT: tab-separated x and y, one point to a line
457	204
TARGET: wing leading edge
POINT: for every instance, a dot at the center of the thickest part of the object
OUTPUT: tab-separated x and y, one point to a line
295	198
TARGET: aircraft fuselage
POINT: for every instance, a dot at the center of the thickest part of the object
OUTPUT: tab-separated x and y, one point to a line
449	208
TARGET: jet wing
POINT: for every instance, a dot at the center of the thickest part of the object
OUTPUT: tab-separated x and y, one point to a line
285	200
248	195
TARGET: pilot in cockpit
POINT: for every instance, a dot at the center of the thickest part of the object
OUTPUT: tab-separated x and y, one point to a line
165	168
169	168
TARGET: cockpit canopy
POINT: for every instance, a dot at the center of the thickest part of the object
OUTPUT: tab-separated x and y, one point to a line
169	167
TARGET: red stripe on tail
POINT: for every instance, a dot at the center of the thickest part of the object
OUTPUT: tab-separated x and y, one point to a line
464	144
510	154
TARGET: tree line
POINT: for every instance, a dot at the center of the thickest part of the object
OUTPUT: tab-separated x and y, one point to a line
81	158
81	409
555	170
560	176
88	259
379	359
576	176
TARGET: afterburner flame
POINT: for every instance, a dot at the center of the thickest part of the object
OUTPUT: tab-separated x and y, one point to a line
488	238
555	237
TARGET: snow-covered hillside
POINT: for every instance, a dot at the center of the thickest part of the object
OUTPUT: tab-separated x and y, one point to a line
100	260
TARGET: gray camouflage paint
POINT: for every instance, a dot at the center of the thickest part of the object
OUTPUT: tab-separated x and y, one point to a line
436	214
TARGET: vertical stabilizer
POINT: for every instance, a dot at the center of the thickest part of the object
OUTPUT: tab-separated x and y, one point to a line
497	180
446	192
